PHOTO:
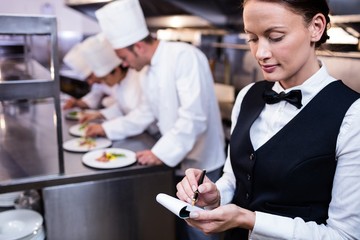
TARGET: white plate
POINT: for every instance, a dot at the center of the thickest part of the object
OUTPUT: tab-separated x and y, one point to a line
8	199
36	235
89	158
78	130
19	223
73	145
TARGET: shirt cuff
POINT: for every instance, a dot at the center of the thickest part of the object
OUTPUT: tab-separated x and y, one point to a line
268	226
111	112
110	129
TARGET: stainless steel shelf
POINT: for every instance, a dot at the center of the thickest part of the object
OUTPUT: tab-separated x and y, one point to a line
22	77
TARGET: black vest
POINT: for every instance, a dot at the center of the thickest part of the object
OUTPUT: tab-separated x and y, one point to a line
292	174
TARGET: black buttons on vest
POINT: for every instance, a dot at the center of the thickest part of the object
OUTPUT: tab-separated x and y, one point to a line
248	176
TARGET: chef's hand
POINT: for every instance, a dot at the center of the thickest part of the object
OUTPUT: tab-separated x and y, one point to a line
86	117
222	218
70	103
146	157
95	130
209	195
73	102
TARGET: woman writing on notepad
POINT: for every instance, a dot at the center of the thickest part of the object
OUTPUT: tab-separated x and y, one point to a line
293	168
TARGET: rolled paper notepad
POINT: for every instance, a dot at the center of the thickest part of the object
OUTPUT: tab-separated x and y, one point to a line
176	206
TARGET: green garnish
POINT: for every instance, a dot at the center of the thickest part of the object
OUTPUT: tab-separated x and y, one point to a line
83	126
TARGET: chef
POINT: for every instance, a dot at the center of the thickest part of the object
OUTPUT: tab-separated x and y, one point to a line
99	95
179	92
123	83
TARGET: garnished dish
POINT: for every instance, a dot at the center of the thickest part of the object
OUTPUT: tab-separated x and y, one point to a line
74	115
82	144
109	158
83	126
88	142
78	130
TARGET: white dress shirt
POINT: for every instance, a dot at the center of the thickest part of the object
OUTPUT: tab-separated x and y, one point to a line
344	209
179	95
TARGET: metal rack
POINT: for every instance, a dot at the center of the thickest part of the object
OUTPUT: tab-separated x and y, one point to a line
39	87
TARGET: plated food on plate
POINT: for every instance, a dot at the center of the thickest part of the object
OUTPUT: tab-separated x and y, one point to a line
83	144
109	158
87	142
78	130
74	115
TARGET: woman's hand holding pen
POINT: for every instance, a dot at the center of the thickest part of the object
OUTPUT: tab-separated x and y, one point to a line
208	197
218	218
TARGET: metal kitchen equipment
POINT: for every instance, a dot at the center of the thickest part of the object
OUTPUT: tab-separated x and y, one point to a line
27	79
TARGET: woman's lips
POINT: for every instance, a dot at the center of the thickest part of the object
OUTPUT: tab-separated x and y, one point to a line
268	68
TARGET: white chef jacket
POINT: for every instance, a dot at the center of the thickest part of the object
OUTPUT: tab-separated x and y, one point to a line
127	95
344	210
178	93
98	91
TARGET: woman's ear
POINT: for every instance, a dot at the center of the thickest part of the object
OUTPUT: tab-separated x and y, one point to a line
317	27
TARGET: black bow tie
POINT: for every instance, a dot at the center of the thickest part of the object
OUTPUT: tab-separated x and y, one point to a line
293	97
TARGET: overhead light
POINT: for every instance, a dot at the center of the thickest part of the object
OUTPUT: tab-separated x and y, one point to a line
336	19
184	35
177	21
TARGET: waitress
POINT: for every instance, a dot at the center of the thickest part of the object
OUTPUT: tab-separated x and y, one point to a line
293	170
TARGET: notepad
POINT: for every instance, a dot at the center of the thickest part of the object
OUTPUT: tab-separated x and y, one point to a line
179	208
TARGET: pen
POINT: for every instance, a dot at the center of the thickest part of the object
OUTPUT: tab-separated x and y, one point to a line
200	181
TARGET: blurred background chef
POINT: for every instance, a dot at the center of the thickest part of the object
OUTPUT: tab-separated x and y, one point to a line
100	94
123	82
180	96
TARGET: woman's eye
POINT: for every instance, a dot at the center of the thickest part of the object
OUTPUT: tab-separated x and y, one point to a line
276	38
251	39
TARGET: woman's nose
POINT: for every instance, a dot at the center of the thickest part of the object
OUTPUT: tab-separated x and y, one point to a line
263	51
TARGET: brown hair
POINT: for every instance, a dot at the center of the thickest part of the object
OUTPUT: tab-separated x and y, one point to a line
148	39
308	9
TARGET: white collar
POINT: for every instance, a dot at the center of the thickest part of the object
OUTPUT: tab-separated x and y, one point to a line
311	86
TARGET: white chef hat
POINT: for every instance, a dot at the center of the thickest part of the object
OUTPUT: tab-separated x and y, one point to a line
122	22
100	55
76	61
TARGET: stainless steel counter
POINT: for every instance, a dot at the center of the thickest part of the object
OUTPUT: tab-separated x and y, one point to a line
82	203
28	149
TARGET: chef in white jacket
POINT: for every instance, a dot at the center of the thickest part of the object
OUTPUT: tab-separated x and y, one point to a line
100	94
123	83
178	94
